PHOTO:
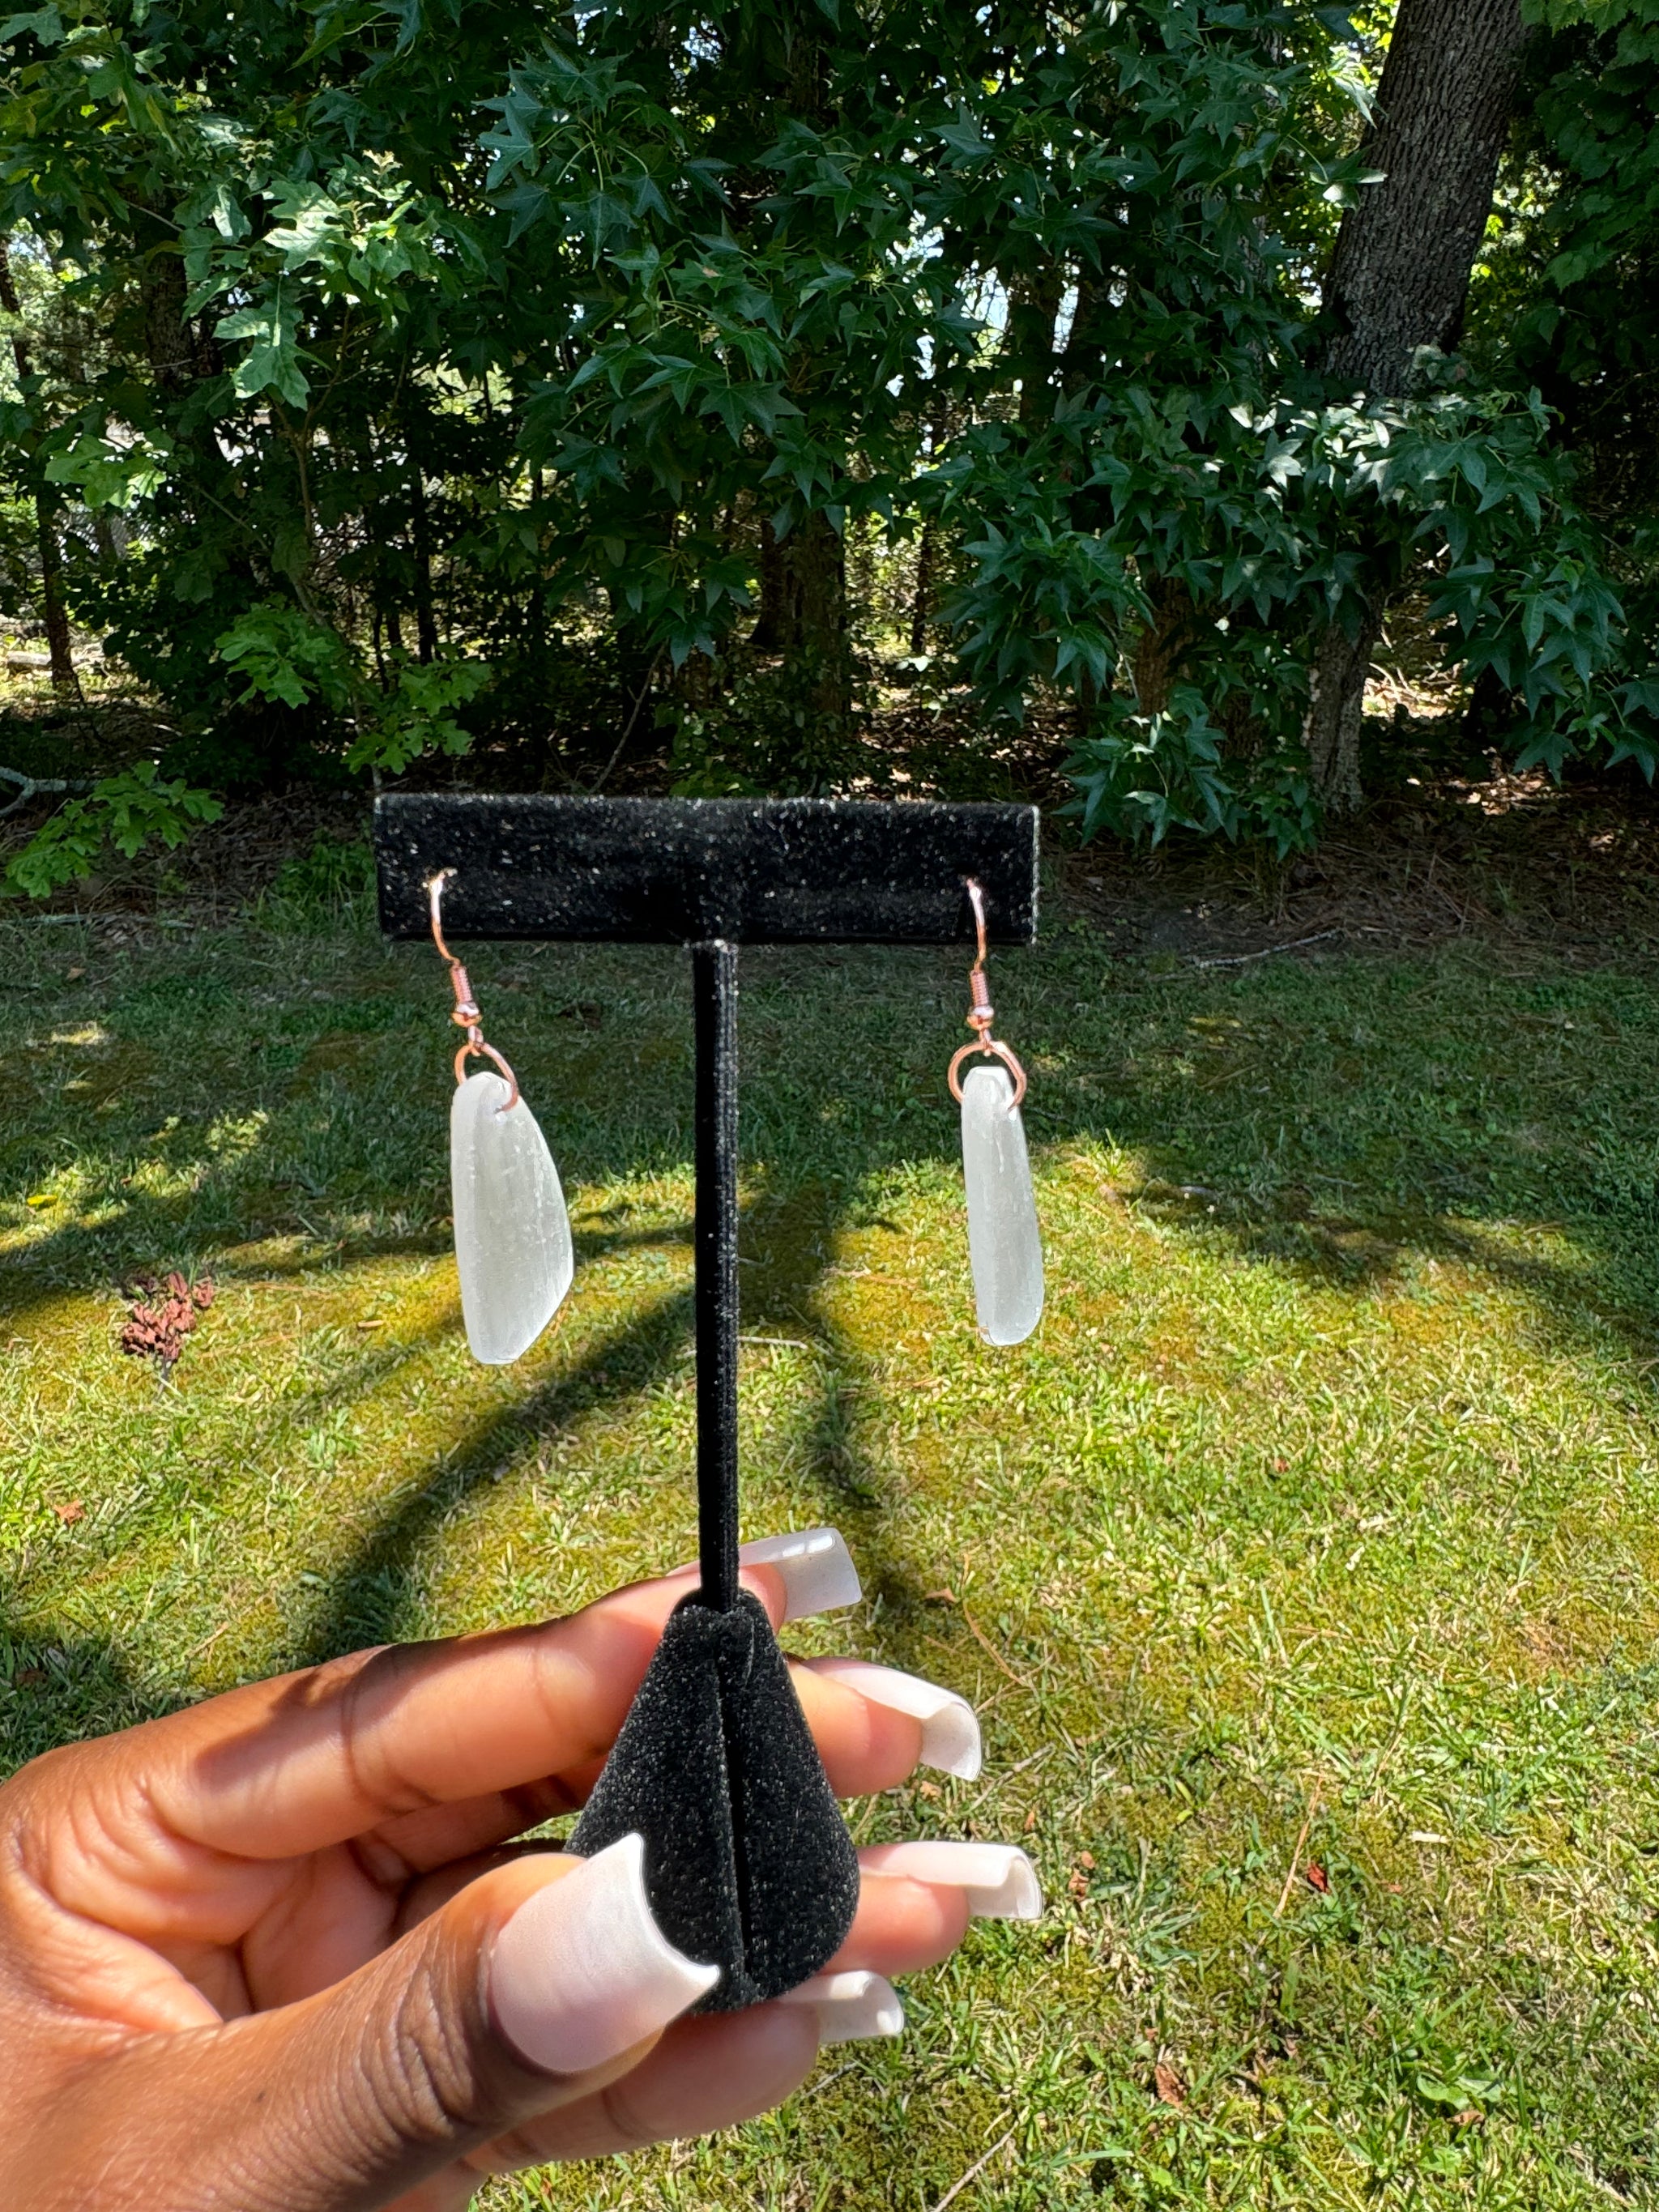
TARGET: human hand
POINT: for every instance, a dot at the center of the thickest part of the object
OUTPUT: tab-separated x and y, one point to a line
276	1954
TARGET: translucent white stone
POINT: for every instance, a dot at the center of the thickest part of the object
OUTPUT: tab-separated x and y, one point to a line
511	1231
1004	1244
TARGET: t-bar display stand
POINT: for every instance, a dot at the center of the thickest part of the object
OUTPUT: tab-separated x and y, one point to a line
748	1862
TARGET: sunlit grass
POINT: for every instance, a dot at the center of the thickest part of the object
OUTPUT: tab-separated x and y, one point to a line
1316	1526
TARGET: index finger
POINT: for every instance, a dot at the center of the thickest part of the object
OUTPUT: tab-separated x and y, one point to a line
435	1750
308	1760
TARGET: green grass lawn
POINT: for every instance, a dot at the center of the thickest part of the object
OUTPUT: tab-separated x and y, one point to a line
1316	1527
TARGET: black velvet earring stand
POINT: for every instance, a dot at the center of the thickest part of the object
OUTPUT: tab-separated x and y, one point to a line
748	1863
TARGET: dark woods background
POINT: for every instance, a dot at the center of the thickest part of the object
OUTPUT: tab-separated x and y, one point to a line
805	395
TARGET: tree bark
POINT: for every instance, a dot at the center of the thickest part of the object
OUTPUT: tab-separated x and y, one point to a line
180	352
420	532
1034	298
922	603
1158	652
1400	278
1336	712
60	648
804	609
1400	274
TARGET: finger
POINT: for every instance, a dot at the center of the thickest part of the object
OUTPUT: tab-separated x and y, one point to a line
539	1985
308	1760
705	2074
916	1899
874	1725
814	1568
291	1765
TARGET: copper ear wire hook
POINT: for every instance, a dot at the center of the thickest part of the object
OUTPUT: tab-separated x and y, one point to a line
466	1014
982	1013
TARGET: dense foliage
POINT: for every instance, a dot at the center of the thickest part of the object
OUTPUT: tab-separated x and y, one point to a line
410	379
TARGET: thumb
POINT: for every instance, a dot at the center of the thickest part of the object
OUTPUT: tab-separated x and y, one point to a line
533	1986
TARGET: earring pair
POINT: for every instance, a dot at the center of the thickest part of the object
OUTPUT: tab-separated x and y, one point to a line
513	1245
513	1248
1005	1245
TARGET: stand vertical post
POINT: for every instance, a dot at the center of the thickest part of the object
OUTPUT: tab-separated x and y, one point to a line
714	1023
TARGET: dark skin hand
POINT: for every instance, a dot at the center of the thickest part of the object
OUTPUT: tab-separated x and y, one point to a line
245	1951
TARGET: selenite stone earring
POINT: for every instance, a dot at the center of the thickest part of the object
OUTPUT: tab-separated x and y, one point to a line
513	1247
1005	1247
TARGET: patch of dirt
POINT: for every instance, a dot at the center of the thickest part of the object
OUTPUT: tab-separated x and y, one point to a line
1514	862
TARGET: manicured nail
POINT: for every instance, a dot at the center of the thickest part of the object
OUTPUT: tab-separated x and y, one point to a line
851	2007
949	1727
582	1972
815	1566
1001	1880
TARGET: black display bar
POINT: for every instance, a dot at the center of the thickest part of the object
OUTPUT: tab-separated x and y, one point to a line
689	871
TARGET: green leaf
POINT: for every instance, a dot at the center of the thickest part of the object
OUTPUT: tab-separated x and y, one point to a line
45	24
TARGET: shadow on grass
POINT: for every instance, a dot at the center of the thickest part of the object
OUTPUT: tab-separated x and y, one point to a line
58	1689
833	1115
789	1240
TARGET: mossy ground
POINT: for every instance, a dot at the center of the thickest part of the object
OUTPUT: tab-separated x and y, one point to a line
1317	1527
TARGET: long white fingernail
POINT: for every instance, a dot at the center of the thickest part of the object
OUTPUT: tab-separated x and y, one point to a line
1001	1880
950	1726
815	1566
582	1972
850	2007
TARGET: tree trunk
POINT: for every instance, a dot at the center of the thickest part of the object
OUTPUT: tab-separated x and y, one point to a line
803	579
804	610
168	342
59	645
815	611
921	604
1400	278
1034	298
53	609
180	352
768	620
426	626
1336	712
1158	652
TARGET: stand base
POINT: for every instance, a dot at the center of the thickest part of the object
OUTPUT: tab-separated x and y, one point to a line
748	1863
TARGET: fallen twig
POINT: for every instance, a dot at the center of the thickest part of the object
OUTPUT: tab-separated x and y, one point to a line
985	1644
1238	959
1296	1855
973	2173
29	785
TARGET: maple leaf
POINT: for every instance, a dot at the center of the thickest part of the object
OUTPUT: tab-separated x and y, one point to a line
1318	1879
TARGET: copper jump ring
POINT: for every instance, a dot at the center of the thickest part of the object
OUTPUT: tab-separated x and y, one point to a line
982	1013
466	1014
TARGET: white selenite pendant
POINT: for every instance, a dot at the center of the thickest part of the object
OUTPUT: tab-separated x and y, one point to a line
511	1231
1004	1245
